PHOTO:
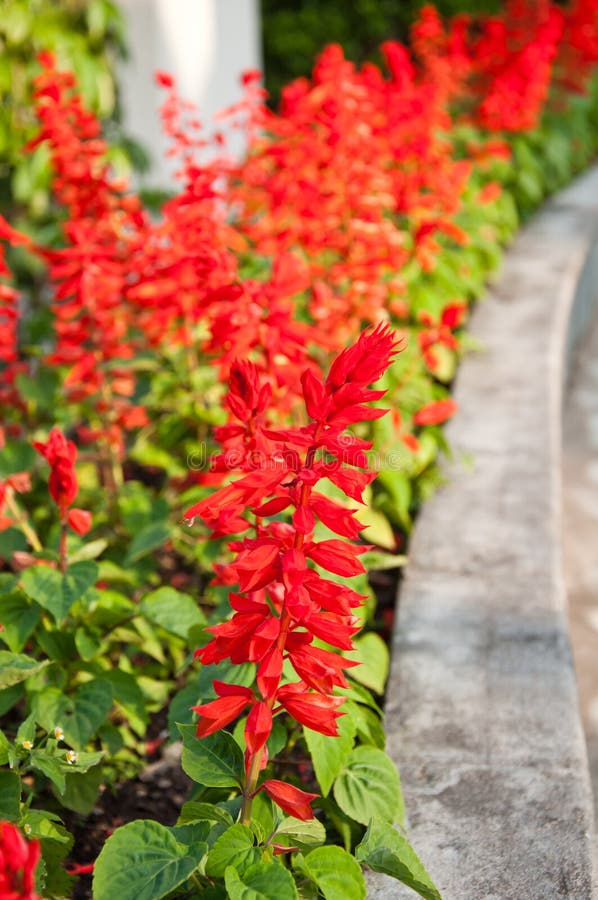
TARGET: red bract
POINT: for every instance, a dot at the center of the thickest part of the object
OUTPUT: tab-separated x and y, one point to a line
435	413
291	800
283	603
63	485
18	861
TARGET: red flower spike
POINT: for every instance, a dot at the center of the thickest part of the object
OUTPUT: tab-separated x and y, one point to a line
291	800
61	454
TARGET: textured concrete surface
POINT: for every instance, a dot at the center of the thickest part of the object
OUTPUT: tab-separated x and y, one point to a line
580	533
482	712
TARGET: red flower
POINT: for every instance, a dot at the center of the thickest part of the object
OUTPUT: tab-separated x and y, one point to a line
215	715
79	520
435	413
61	454
290	799
18	861
63	485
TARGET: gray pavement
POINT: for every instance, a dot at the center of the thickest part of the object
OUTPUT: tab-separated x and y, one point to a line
580	531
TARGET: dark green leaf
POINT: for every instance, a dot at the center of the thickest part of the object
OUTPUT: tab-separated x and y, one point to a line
233	848
214	761
141	861
10	795
172	610
81	789
261	881
193	811
19	617
149	538
56	592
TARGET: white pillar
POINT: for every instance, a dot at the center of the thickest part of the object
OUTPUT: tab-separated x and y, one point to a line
204	44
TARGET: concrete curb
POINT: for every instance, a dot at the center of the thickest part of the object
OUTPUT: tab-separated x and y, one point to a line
482	711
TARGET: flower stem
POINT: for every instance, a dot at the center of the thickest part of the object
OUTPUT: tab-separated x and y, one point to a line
252	777
62	546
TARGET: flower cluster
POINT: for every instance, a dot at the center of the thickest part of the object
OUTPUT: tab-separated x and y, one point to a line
283	604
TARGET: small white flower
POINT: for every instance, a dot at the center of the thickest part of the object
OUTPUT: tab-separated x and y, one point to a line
27	745
59	733
72	757
27	829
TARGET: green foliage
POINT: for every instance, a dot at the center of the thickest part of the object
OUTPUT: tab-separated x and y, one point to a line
385	850
144	861
87	36
295	31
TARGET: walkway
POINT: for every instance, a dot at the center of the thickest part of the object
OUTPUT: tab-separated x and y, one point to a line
580	524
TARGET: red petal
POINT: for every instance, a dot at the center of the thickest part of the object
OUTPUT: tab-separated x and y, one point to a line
290	799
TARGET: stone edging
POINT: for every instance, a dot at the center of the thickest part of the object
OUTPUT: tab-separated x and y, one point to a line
482	712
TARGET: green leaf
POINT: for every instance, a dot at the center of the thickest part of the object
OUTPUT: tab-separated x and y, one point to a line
19	618
262	881
48	766
368	724
172	610
129	697
5	747
371	653
91	550
16	457
87	644
81	789
56	592
385	850
10	696
194	811
16	667
46	826
335	872
296	833
141	861
10	796
369	785
233	848
192	834
79	716
213	761
149	538
378	529
329	754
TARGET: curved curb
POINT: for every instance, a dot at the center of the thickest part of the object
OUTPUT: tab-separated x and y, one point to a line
482	712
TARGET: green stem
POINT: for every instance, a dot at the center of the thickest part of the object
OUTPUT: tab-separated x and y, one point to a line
62	547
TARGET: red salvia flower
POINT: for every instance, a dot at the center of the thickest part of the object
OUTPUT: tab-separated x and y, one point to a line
18	861
63	485
283	603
